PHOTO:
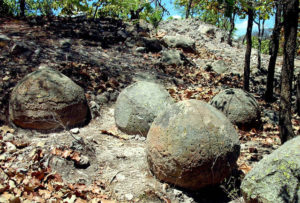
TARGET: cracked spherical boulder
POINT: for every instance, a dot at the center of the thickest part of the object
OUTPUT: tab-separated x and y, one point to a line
240	107
192	145
138	105
47	100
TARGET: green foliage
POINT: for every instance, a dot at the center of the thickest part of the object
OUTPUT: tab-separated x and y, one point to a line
264	45
12	6
152	15
216	12
123	9
4	9
70	7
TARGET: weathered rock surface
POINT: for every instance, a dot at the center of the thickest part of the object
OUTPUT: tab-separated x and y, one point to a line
192	145
180	41
138	105
173	57
276	178
48	100
239	106
219	66
206	29
152	44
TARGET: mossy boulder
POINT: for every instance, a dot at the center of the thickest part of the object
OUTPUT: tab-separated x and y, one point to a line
276	178
138	105
192	145
47	100
240	107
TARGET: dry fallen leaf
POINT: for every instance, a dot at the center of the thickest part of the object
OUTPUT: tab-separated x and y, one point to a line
107	201
113	132
245	168
66	153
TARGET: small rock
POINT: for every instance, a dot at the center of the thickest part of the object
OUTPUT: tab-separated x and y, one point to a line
137	137
113	96
142	139
95	108
220	66
70	200
65	44
140	49
122	34
180	41
172	57
3	157
4	38
40	144
22	170
12	184
177	193
84	162
8	137
21	48
77	143
94	105
75	130
6	78
102	99
129	197
152	44
11	148
120	177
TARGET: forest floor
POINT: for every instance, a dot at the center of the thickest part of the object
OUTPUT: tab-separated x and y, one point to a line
99	163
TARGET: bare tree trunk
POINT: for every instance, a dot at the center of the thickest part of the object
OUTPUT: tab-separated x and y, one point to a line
290	14
188	9
274	46
22	8
259	44
248	49
298	94
229	39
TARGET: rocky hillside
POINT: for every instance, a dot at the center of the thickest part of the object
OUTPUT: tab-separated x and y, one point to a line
190	58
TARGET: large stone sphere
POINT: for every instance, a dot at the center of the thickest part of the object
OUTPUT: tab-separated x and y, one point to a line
138	105
192	145
240	107
47	100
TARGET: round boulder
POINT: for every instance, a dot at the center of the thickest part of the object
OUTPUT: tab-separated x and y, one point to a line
239	106
192	145
138	105
47	100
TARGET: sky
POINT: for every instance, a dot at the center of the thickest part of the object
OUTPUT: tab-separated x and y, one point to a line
240	24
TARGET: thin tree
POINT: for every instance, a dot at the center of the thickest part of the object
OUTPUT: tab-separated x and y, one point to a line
260	25
22	8
274	46
298	94
250	13
290	15
188	9
232	25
